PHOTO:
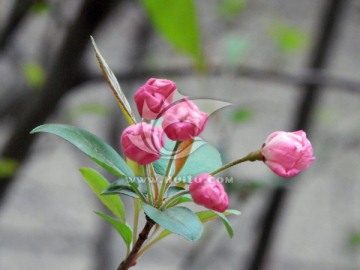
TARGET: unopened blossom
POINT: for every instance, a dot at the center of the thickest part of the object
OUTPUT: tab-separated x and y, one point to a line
142	142
153	97
287	153
184	121
207	191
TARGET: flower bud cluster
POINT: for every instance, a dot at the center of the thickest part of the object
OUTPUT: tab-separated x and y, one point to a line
182	120
285	153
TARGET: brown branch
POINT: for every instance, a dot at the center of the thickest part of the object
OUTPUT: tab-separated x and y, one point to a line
129	261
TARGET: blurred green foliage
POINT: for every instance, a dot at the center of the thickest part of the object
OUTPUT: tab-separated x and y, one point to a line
235	48
231	8
8	167
242	115
177	22
88	108
34	74
355	239
288	39
40	6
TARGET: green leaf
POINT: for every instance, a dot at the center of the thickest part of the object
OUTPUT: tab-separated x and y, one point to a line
185	198
121	186
203	158
98	183
123	229
91	145
173	190
206	216
121	190
179	220
34	74
177	22
8	167
114	86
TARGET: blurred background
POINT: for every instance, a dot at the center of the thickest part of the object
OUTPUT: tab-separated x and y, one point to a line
283	64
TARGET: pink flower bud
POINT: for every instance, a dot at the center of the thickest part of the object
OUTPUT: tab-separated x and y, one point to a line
287	153
142	142
209	192
153	97
184	121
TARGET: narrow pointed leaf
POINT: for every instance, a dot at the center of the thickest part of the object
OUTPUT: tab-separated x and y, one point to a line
91	145
173	190
98	183
121	190
121	186
114	86
122	228
179	220
206	216
184	199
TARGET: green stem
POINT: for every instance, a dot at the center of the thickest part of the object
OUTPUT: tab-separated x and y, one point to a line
148	186
137	210
173	199
168	183
252	156
154	181
167	173
156	228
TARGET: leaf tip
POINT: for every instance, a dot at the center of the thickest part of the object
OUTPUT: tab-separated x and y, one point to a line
36	129
92	40
85	170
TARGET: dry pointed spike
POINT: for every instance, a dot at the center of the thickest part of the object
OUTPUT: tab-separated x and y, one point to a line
114	85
